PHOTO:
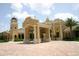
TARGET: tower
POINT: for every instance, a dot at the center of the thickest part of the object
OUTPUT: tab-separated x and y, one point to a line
14	29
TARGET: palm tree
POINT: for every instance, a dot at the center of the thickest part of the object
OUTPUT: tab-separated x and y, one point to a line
70	22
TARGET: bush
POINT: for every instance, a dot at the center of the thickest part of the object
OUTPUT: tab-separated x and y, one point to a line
76	39
68	39
18	39
3	39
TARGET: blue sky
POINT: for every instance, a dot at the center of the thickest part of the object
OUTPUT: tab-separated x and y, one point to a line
40	10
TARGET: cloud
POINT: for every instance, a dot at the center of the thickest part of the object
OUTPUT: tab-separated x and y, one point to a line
64	16
41	8
17	6
18	12
19	15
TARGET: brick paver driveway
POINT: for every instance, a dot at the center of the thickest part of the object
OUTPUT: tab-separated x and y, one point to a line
59	48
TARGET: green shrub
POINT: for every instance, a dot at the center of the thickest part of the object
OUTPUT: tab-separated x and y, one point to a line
68	39
18	39
76	39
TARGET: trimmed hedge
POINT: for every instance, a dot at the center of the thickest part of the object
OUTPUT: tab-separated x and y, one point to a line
18	39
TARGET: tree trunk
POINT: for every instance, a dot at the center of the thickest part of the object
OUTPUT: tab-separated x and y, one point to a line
71	34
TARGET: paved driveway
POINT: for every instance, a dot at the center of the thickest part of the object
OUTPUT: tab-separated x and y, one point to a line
53	48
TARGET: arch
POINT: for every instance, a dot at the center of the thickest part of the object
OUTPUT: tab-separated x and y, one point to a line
15	36
22	36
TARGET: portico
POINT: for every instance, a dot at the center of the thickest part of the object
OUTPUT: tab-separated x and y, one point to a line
40	32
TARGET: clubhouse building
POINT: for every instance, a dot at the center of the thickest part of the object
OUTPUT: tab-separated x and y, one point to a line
37	32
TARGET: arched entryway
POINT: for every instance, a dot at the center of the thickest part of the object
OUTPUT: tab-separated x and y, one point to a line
44	34
21	36
15	37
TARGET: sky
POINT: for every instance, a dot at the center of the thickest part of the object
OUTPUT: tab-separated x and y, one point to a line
40	10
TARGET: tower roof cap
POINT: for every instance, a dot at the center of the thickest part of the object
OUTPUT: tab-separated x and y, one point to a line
13	18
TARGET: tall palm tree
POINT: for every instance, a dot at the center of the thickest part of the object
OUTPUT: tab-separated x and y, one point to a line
70	22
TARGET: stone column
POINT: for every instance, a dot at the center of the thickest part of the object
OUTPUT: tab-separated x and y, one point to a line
21	36
53	34
61	32
35	39
44	37
38	33
13	38
26	39
49	34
